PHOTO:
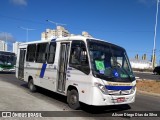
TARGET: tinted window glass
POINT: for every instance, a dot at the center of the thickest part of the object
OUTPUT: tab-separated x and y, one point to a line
51	53
79	57
42	49
31	49
109	62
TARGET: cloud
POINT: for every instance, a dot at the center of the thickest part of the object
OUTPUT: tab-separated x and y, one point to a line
19	2
7	37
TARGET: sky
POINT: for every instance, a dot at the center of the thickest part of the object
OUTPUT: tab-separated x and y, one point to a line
128	23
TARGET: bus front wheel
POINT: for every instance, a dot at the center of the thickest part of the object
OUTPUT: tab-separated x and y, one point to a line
31	86
73	99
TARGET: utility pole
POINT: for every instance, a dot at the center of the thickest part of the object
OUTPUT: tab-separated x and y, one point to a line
155	33
27	29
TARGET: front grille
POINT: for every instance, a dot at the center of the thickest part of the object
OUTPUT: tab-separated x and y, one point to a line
119	92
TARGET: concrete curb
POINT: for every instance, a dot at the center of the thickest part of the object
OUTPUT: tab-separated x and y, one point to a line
148	93
143	72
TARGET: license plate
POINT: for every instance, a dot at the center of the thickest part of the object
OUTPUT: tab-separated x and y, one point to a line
122	99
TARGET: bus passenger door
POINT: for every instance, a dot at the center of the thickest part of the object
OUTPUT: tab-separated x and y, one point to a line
21	64
63	61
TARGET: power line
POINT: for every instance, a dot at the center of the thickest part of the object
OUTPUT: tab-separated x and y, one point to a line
56	23
76	28
27	30
22	20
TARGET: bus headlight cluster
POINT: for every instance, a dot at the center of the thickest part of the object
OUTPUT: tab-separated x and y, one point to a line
101	87
133	89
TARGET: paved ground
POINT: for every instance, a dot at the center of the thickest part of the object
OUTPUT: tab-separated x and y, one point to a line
15	96
147	75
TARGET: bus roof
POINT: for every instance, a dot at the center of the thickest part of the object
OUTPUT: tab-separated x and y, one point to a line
70	38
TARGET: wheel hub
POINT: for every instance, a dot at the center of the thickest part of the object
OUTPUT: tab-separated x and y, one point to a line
73	99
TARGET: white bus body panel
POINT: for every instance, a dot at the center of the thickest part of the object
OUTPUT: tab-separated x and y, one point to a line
88	92
100	99
50	73
82	82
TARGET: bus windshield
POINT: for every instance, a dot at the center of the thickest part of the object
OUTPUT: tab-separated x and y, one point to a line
109	62
6	59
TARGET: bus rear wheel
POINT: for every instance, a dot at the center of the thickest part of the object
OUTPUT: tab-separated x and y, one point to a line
31	86
73	99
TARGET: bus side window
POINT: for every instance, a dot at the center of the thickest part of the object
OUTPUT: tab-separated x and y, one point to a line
79	57
84	56
31	50
51	52
42	49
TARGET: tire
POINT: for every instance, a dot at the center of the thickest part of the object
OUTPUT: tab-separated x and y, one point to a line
73	99
31	86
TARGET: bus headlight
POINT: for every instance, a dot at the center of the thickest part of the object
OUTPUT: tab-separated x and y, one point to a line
101	87
133	89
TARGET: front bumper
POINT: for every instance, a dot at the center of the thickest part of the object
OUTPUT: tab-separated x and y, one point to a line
100	99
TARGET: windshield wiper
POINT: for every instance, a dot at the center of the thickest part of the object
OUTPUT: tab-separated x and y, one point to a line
118	64
127	73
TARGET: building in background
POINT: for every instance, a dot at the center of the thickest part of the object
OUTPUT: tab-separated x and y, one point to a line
15	47
86	34
3	46
58	32
140	64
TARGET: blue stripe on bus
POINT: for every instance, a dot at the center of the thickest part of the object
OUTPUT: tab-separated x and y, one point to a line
43	70
69	68
53	40
118	87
